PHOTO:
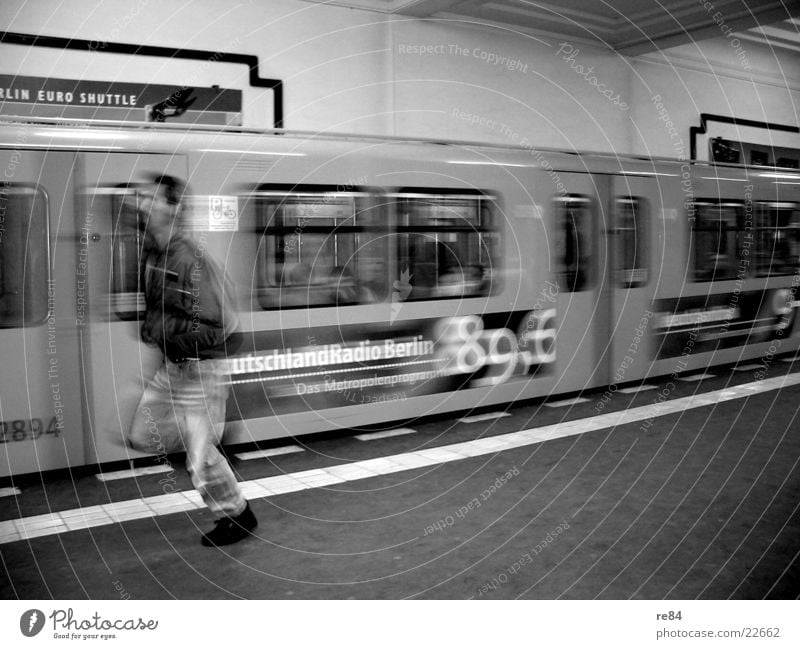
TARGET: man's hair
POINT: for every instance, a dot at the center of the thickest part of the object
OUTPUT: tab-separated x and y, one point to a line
173	188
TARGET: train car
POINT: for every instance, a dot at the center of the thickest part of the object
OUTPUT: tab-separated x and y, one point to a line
377	279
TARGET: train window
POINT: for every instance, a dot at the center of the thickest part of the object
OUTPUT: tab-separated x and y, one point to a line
777	238
718	238
319	246
573	243
24	256
446	241
632	241
118	206
127	294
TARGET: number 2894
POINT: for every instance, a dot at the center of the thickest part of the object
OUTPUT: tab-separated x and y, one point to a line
18	430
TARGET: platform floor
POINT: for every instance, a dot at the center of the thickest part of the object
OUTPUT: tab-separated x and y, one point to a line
698	499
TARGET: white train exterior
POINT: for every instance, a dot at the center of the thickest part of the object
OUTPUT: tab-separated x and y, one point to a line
378	279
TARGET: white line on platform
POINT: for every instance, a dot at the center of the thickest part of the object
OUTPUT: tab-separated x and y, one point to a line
134	473
9	491
269	452
637	388
95	516
696	377
484	417
395	432
566	402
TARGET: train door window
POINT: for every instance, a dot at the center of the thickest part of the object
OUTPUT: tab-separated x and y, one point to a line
25	293
446	242
632	241
717	239
319	246
128	241
118	206
777	238
573	243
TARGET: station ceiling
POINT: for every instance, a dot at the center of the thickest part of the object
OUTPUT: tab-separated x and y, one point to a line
630	27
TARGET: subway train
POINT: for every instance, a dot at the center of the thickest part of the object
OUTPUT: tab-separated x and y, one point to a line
377	279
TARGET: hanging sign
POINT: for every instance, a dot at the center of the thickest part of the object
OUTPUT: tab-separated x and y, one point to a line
105	100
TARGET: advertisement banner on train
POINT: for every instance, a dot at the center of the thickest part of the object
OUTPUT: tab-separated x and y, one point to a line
328	367
705	323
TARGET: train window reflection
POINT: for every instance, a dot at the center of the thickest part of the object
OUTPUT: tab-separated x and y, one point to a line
24	256
319	247
573	242
446	242
718	239
632	241
777	238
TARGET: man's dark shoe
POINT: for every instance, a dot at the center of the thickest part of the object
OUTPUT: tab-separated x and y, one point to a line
231	529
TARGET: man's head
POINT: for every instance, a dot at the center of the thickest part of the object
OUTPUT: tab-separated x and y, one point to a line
161	205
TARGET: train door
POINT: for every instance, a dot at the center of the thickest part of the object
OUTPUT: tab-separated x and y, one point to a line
577	263
40	416
632	203
116	364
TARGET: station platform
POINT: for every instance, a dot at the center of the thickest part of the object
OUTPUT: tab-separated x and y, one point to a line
666	490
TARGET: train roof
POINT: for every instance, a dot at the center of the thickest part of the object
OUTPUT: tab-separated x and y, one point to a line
105	135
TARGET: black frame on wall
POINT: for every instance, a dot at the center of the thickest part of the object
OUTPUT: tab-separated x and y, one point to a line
250	60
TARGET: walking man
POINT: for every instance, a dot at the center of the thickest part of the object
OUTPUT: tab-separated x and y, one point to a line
190	317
